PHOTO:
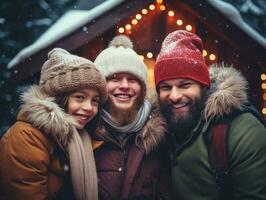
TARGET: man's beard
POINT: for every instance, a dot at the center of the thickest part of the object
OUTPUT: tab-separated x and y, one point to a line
183	123
124	116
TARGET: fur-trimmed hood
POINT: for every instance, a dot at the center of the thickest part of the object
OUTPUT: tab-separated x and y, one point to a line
43	113
228	91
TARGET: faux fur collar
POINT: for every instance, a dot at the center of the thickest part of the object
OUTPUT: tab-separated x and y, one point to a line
229	91
154	132
44	114
151	135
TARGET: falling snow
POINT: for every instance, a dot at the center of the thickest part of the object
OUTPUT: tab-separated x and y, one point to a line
2	20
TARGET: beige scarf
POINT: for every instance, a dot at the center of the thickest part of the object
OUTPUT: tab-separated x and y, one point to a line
82	165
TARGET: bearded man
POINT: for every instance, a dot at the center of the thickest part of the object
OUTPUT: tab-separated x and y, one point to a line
194	99
130	161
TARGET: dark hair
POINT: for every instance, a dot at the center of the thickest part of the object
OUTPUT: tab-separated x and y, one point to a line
62	101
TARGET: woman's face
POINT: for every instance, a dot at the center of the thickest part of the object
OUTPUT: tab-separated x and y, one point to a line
83	105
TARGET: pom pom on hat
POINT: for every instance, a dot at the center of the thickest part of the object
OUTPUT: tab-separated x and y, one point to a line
119	57
181	57
64	72
121	40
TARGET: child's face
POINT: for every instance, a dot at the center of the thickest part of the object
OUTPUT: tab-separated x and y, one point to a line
83	104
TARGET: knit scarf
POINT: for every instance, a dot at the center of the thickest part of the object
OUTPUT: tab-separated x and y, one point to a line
133	127
82	165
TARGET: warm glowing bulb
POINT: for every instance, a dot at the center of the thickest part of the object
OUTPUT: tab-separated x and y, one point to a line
149	55
128	26
263	86
134	21
204	53
188	27
152	7
264	96
263	77
171	13
138	16
144	11
121	30
179	22
141	57
162	7
159	1
264	111
212	57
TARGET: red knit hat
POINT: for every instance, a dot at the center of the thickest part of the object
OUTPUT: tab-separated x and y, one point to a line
181	57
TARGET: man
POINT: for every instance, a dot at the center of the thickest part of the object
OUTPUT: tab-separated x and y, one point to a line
193	100
130	162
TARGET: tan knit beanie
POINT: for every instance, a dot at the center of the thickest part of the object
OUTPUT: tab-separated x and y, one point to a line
64	72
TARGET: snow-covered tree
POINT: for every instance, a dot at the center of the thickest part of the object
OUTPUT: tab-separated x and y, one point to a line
253	12
21	22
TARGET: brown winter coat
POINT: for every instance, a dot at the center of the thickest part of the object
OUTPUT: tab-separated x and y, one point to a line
21	178
32	152
138	168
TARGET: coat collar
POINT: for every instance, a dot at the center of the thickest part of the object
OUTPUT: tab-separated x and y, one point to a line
43	113
151	135
228	92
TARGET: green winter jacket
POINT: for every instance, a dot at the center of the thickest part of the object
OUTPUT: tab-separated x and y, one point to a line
192	177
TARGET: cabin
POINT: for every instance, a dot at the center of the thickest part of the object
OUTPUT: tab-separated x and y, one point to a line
226	37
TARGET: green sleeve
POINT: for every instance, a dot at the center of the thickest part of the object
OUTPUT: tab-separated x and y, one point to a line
247	154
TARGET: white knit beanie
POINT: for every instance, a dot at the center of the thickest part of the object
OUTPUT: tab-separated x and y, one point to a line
120	57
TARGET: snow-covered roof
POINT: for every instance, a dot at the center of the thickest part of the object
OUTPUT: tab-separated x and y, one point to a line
74	19
68	23
233	14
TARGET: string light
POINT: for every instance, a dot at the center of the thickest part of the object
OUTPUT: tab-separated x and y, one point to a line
179	22
162	7
144	11
263	77
188	27
204	53
134	21
152	7
141	57
149	55
212	57
128	27
138	16
121	30
171	13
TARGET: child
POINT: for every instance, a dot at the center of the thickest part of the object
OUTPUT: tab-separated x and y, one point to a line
47	154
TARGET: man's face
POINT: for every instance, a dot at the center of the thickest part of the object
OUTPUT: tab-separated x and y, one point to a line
124	90
181	101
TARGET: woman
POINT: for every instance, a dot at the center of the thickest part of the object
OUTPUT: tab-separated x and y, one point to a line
47	154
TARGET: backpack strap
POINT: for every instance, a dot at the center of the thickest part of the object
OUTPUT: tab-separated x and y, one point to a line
218	150
218	157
